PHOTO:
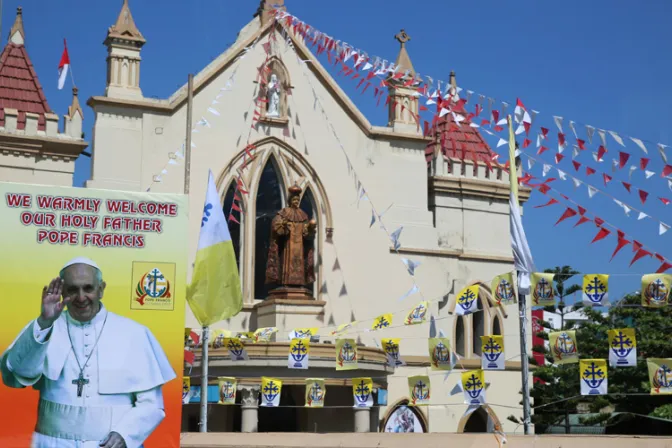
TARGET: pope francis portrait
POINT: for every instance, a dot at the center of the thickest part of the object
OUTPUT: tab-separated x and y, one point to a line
99	375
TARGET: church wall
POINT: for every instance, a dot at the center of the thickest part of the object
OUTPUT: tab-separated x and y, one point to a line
36	170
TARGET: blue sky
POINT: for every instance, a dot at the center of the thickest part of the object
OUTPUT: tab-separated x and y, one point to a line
604	63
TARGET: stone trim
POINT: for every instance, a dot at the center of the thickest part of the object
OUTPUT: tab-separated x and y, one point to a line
467	363
473	187
449	253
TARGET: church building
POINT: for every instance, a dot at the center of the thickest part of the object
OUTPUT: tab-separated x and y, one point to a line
400	219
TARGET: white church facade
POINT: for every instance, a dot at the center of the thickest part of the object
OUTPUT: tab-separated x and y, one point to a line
453	214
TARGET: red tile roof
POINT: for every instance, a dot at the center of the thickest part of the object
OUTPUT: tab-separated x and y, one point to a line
19	87
461	141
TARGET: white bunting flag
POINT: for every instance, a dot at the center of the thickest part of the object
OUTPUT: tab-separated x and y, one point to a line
591	191
641	216
663	228
395	237
661	149
558	122
546	169
603	136
576	181
590	131
616	137
571	126
649	173
410	265
639	143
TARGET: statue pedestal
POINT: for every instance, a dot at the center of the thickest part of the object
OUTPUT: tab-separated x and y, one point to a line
290	293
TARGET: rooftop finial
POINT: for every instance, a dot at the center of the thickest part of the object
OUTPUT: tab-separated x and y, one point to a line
403	60
125	27
265	8
16	34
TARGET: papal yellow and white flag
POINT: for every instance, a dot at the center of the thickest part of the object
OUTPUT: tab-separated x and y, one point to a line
593	376
264	334
467	300
343	328
227	390
564	347
346	354
503	289
541	286
270	391
473	385
299	353
391	348
595	289
302	333
622	347
418	314
381	322
186	389
236	349
362	390
439	354
214	293
492	348
656	290
660	375
419	390
217	337
315	392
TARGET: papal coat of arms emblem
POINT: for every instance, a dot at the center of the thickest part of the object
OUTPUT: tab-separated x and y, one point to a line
504	292
564	346
656	293
153	286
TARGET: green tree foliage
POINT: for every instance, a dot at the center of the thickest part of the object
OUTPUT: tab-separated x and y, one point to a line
562	382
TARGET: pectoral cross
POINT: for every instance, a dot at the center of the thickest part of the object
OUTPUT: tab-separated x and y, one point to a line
80	382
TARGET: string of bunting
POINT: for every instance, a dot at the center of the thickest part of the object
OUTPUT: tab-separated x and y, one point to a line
341	52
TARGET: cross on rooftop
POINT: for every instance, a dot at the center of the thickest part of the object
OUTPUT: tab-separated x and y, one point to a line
402	37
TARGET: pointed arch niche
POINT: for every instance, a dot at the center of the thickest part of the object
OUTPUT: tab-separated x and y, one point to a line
488	320
274	168
276	67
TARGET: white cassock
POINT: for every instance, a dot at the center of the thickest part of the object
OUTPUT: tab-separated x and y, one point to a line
125	374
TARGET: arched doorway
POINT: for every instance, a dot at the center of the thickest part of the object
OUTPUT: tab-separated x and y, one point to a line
403	418
481	420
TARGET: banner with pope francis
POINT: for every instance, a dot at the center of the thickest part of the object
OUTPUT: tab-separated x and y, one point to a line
92	329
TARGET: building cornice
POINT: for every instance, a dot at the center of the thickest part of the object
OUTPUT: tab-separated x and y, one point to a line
450	253
44	146
459	186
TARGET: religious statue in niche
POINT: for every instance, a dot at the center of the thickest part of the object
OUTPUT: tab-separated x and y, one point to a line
273	96
291	255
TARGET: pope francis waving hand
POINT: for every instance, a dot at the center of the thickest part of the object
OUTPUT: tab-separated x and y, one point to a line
99	375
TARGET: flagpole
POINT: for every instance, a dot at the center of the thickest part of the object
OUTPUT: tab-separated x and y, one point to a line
522	308
205	336
187	145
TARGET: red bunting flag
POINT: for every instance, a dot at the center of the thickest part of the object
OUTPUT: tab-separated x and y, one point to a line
643	163
550	202
582	211
544	133
542	150
601	152
640	253
598	221
643	195
589	171
627	186
602	234
558	158
665	201
636	245
561	139
623	159
576	164
569	212
664	267
581	221
667	170
622	242
607	178
189	357
581	143
526	143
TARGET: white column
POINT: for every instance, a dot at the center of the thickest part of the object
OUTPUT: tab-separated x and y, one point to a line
362	419
250	410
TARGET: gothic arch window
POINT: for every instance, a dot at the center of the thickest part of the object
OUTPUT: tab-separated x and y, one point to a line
478	326
269	200
478	421
234	223
460	336
402	418
263	190
497	326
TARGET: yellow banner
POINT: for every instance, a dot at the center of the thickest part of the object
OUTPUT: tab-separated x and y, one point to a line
391	348
299	353
503	289
264	334
564	347
271	389
418	314
186	389
439	354
217	338
660	375
129	249
316	391
467	300
594	376
346	354
245	335
382	321
595	289
473	385
541	285
622	347
236	349
227	390
343	328
362	390
656	290
492	349
419	390
303	333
